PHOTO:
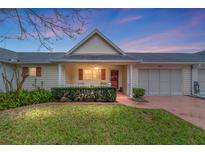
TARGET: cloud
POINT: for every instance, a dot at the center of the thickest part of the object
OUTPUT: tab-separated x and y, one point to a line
193	47
171	40
197	19
189	48
156	38
128	19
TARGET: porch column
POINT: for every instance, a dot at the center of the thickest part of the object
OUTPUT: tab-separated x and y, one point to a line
59	75
131	76
129	79
194	73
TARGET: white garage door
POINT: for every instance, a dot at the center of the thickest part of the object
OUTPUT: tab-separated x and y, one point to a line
201	80
163	82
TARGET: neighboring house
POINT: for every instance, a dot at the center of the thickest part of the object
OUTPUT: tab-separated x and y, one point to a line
98	61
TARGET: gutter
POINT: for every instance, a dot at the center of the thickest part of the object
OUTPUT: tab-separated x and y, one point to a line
100	61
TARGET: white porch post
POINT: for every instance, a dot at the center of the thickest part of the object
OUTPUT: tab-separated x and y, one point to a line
59	75
194	75
131	76
128	72
129	79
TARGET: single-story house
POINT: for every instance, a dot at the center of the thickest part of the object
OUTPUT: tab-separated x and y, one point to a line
96	60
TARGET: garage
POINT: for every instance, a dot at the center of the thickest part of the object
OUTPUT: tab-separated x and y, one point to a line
201	80
161	82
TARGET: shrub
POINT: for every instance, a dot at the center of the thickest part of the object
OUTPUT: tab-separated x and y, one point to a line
138	92
91	94
13	99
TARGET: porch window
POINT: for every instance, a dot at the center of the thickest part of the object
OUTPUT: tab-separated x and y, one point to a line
91	74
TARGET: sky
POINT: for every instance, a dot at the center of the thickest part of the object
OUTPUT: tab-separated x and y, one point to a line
133	30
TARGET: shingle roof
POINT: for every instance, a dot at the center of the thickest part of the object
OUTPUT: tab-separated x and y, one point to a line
95	58
7	55
48	57
200	52
38	57
168	57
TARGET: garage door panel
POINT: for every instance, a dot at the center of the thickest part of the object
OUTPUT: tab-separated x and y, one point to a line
163	82
165	89
176	80
143	80
153	82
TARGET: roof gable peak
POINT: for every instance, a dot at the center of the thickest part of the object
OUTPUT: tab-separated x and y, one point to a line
102	36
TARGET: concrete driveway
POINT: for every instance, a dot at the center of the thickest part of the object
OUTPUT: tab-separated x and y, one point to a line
188	108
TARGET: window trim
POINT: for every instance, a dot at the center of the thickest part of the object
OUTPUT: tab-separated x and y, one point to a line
27	71
98	78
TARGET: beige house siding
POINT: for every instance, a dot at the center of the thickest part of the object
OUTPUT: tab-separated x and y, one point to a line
71	74
186	74
124	79
49	77
135	77
63	75
95	45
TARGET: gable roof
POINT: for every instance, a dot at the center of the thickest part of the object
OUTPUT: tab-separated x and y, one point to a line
101	35
95	58
168	57
200	52
7	55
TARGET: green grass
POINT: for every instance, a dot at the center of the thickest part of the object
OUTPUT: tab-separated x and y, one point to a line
94	124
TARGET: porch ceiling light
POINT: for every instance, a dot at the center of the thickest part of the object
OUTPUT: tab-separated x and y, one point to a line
96	67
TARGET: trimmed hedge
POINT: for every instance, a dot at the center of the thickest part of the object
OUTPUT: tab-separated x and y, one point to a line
85	94
13	99
138	92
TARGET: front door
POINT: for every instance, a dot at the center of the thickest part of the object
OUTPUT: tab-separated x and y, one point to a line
114	78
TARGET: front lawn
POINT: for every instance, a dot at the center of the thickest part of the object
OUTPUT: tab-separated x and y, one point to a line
94	124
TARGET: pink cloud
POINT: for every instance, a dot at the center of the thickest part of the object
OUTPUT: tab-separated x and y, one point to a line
193	47
197	19
157	38
154	38
163	41
128	19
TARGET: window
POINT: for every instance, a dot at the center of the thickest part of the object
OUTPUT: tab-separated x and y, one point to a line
31	71
91	74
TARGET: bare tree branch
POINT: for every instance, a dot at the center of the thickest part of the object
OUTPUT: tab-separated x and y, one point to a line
9	82
44	26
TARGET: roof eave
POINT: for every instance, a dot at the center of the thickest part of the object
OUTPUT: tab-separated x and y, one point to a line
101	61
173	63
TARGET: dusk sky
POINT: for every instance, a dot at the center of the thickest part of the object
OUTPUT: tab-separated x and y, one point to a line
135	30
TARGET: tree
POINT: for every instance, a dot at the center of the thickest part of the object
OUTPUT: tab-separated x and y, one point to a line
9	82
44	25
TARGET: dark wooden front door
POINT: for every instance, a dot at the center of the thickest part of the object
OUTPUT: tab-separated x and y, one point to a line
114	78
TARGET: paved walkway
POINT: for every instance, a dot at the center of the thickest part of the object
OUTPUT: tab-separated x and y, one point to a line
188	108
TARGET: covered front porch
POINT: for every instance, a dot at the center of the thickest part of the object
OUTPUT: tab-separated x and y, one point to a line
118	75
